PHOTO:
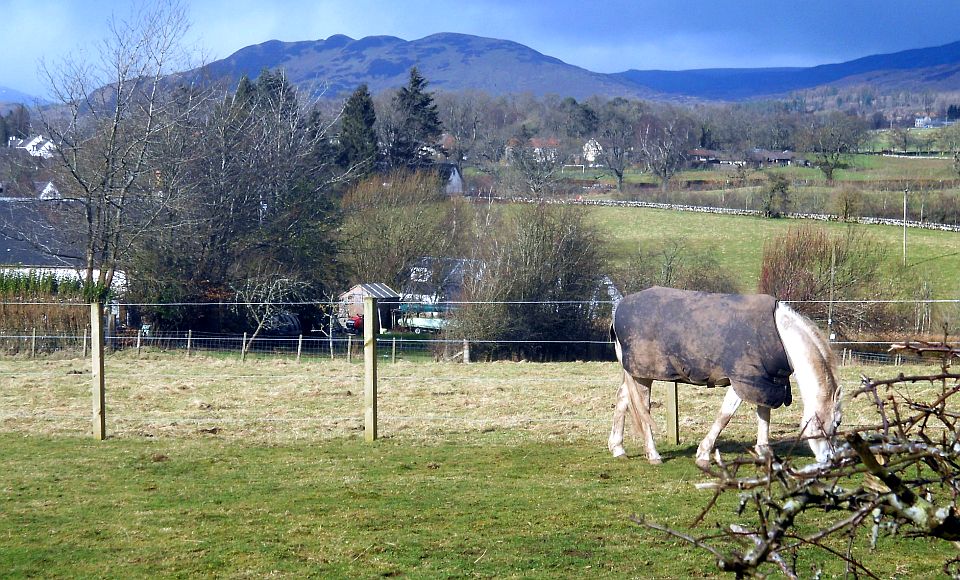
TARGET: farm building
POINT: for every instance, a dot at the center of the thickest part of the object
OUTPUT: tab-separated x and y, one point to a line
351	303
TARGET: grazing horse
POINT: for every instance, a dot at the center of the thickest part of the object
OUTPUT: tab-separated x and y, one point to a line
749	343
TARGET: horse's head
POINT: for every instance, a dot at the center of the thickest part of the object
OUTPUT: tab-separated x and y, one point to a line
814	366
821	429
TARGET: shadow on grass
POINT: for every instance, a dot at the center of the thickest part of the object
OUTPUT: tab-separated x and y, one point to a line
729	449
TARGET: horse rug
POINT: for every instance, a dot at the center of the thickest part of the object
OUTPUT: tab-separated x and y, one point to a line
705	339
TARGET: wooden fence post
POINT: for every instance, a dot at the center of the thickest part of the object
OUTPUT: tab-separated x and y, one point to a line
243	348
466	351
299	346
393	355
139	338
33	344
84	343
189	342
673	415
349	348
371	327
96	350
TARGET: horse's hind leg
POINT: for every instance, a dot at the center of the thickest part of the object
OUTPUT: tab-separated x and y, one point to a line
731	401
638	391
763	431
615	442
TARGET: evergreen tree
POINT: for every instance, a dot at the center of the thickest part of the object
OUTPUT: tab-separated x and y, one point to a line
245	90
418	123
358	139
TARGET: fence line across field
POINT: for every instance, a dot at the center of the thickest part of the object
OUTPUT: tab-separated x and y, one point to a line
98	341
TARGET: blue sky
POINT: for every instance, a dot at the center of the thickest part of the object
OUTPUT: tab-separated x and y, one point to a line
603	36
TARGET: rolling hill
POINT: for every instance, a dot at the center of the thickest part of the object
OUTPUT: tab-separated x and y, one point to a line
451	62
935	68
456	62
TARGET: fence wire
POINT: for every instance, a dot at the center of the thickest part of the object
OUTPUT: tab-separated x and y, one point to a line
176	382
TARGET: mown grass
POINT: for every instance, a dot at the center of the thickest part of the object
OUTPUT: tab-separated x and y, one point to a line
494	470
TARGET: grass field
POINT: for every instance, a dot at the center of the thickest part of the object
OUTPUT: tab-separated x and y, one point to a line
213	468
738	241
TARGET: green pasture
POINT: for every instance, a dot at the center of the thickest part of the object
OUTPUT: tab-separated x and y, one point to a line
858	168
217	469
738	242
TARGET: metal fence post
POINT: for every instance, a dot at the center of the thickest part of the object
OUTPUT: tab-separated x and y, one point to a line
371	327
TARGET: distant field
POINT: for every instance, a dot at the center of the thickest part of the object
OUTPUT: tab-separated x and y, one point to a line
217	469
860	168
738	241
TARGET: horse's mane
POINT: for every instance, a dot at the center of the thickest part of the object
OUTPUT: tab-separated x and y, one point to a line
826	363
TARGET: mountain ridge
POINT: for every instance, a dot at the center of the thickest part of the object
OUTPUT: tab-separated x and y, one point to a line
455	62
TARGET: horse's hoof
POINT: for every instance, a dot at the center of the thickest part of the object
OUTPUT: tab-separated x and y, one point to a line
703	463
655	460
619	452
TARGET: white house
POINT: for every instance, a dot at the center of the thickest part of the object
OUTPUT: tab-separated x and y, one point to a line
36	146
592	150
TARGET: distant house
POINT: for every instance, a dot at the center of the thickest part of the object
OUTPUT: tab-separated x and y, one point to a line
926	122
439	279
46	190
351	303
36	237
704	157
542	150
765	158
712	159
451	179
36	146
592	150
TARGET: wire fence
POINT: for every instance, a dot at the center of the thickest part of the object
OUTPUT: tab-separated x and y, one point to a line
307	386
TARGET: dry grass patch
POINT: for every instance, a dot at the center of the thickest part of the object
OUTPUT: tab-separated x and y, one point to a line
280	400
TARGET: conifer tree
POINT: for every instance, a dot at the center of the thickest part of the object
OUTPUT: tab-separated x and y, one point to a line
418	123
358	139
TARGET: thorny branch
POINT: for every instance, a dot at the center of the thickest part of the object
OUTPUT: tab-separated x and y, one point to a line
899	476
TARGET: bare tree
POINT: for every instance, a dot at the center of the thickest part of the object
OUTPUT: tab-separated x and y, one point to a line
830	138
460	115
663	141
109	117
537	164
618	127
809	265
391	222
899	476
263	299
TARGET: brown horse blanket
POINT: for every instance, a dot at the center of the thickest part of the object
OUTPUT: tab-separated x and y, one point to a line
705	339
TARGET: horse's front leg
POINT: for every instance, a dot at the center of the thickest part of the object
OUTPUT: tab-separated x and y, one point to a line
763	431
731	401
615	442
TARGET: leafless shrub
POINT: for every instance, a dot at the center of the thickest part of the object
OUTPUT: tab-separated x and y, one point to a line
900	476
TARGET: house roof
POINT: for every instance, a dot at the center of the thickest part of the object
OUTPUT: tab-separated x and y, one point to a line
377	290
34	233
